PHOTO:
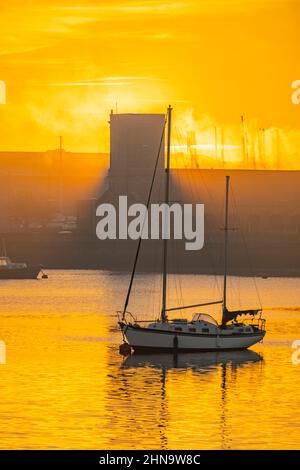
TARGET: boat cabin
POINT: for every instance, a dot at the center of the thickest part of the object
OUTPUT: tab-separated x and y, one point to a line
6	263
201	323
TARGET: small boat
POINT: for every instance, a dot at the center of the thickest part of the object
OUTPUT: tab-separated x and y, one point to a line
202	333
10	270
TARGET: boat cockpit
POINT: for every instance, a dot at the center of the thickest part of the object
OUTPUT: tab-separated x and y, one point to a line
204	317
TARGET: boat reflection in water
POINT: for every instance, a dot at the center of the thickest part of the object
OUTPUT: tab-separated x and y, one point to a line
198	362
188	393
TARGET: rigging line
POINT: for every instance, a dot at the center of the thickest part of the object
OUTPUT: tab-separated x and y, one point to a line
173	258
191	181
178	270
209	238
140	239
176	273
246	248
234	284
187	166
176	289
177	279
195	305
155	262
158	259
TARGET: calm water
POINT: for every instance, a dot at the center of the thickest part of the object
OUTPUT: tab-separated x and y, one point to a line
66	386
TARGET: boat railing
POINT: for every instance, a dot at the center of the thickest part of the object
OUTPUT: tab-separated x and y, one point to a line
260	323
120	315
135	320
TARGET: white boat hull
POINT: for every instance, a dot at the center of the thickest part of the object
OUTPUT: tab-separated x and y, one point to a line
146	339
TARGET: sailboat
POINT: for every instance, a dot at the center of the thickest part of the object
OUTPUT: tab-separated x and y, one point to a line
202	333
11	270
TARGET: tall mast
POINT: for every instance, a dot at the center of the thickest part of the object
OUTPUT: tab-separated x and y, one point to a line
165	245
226	247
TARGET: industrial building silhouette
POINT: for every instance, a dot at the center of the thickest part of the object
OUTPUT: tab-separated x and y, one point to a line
265	214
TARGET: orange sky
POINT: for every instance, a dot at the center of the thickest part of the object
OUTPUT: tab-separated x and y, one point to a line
66	64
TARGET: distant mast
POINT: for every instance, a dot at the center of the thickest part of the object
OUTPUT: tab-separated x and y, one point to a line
61	202
244	140
3	247
164	317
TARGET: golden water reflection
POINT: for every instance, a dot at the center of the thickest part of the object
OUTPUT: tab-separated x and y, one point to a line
66	386
178	394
